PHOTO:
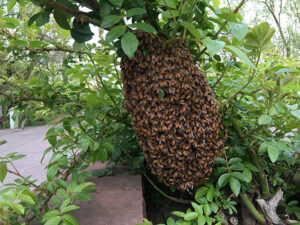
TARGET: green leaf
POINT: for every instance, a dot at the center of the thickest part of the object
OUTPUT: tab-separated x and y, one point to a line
129	44
179	214
143	27
223	179
42	19
18	208
26	198
241	55
190	216
198	208
69	208
239	176
296	114
114	33
235	186
210	194
201	220
3	172
273	153
53	221
207	209
191	28
264	119
103	155
171	221
67	218
11	4
230	17
234	161
238	30
170	13
248	175
170	3
110	20
220	161
33	19
52	171
61	19
90	117
135	12
117	2
108	147
216	3
2	142
200	192
213	46
62	193
80	37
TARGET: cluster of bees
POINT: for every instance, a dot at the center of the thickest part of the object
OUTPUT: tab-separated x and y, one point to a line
173	110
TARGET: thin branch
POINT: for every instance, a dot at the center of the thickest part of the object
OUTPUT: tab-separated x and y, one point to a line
164	194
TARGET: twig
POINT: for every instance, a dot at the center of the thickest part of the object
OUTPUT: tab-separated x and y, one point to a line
164	194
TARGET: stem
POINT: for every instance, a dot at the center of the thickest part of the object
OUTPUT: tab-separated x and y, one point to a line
164	194
257	215
254	158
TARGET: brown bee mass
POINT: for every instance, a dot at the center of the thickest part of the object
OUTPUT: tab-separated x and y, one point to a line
173	110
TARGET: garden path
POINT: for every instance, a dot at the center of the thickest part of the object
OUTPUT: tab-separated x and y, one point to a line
118	199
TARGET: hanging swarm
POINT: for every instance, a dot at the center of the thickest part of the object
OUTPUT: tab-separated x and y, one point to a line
173	110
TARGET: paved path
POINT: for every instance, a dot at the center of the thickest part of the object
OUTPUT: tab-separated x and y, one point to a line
30	143
118	200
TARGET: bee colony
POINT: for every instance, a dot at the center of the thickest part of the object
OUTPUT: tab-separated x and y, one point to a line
173	110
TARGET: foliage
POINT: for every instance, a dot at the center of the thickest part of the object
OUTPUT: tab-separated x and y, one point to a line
257	90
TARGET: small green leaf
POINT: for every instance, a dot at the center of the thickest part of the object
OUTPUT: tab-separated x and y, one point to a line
273	153
191	28
179	214
53	221
90	117
235	186
238	30
210	194
11	4
143	27
220	161
216	3
108	147
67	218
198	208
52	171
234	161
201	220
43	18
239	176
296	114
241	55
114	33
26	198
170	3
50	214
103	155
223	179
129	44
18	208
190	216
264	119
69	208
213	46
207	209
110	20
61	19
171	221
135	12
200	192
62	193
117	2
248	175
3	172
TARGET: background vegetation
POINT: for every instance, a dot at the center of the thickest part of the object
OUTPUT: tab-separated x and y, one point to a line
253	67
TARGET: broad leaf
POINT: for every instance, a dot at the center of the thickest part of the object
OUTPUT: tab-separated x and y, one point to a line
238	30
117	2
241	55
273	153
3	172
296	114
235	186
190	216
144	27
110	20
264	119
213	46
191	28
114	33
129	44
61	19
223	179
135	12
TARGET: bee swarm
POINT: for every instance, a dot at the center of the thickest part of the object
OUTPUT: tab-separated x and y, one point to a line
173	110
